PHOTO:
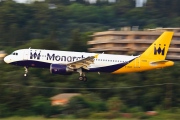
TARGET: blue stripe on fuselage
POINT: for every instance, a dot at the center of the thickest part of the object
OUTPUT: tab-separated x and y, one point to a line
110	68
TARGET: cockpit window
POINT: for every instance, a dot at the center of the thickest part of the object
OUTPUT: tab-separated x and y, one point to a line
14	53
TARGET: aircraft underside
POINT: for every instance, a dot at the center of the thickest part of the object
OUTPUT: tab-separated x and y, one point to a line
62	69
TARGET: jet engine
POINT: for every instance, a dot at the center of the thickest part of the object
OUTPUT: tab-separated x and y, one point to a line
60	69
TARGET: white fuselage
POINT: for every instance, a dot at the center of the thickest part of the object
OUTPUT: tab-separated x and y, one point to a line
44	58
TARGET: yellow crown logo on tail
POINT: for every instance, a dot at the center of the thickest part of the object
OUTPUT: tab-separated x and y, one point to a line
158	50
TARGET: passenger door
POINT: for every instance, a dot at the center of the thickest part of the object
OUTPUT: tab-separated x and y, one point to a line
26	54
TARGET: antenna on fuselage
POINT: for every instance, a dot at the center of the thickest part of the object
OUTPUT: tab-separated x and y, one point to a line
29	47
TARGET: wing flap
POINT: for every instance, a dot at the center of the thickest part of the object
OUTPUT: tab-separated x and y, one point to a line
84	63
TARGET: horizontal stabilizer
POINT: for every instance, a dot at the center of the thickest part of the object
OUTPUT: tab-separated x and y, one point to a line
159	61
164	62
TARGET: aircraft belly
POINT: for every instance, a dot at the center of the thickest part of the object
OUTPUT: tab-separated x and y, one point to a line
31	63
131	67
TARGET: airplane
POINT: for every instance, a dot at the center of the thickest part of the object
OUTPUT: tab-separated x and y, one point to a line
68	62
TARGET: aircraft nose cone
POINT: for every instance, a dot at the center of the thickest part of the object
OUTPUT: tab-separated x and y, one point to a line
6	59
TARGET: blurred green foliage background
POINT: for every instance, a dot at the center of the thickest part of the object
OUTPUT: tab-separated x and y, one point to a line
68	26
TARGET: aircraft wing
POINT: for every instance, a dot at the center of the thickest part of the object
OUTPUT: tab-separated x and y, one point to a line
84	63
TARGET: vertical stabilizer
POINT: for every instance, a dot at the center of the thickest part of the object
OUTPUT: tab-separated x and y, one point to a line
159	48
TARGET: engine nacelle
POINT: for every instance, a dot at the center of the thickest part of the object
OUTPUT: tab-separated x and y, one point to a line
60	69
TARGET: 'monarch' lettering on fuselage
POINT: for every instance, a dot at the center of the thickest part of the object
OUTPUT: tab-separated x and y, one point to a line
54	57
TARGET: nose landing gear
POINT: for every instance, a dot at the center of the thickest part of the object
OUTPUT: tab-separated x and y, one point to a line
26	71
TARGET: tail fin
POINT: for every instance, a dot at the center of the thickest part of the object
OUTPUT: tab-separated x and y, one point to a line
159	48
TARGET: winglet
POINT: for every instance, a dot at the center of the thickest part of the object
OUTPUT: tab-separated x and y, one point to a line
96	56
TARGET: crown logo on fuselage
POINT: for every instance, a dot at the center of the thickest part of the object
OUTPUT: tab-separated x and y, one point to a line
160	50
35	55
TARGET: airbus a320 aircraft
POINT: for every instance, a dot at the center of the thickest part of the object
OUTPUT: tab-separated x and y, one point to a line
67	62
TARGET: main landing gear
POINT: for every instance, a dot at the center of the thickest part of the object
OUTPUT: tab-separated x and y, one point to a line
26	71
82	76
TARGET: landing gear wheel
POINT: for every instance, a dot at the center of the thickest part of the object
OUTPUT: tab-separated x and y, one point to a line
81	78
26	71
84	78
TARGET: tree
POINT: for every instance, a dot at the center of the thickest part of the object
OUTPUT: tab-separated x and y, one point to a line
114	104
41	106
78	106
77	42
